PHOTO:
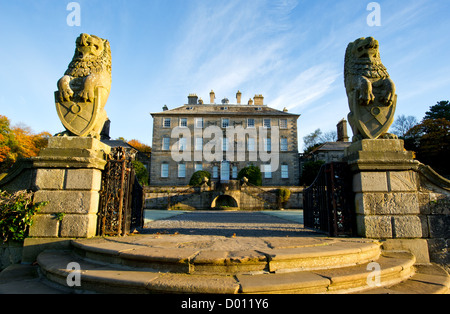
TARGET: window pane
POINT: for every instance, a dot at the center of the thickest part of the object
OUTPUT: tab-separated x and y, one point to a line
267	123
165	170
250	123
166	122
198	144
199	123
267	171
284	171
183	122
215	173
284	145
235	172
166	143
225	144
283	124
182	144
267	145
198	167
225	123
251	144
181	170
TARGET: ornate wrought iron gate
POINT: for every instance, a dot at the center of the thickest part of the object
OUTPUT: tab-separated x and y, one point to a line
328	203
121	201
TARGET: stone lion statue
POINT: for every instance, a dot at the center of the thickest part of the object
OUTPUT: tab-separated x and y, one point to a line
84	89
370	91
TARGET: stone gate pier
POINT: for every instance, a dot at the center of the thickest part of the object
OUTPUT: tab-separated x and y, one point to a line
399	199
67	174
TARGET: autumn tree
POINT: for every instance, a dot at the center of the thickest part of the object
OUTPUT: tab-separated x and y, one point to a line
18	142
140	146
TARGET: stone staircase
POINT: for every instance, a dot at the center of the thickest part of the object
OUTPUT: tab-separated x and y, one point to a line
238	265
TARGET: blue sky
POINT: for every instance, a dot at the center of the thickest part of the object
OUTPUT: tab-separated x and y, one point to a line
291	51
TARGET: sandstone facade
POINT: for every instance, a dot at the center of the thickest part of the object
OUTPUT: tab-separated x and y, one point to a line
197	117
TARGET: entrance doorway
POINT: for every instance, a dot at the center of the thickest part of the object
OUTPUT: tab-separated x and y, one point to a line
224	201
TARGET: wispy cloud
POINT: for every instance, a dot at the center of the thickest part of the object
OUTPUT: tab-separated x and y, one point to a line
307	87
234	45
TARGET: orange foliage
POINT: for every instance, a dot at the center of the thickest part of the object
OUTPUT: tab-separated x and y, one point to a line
18	142
140	146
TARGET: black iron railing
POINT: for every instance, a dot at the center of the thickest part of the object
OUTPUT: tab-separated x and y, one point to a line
328	203
121	197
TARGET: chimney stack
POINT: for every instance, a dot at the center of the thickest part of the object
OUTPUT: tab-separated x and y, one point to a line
250	102
259	100
342	131
238	97
212	96
192	99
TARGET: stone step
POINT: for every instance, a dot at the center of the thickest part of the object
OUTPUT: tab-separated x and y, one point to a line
397	275
222	255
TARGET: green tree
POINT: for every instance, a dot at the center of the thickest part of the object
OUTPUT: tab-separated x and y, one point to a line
439	111
198	176
141	172
431	142
431	138
252	173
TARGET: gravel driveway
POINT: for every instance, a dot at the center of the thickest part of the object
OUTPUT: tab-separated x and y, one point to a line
243	224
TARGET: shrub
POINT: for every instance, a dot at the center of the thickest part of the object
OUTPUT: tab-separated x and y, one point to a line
197	178
16	213
252	173
283	195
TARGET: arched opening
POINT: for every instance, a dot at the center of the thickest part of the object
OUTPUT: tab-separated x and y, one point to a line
224	202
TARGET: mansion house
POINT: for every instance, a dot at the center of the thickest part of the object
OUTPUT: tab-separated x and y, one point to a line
268	141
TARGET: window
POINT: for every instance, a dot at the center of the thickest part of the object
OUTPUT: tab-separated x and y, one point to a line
166	143
198	167
199	123
234	172
284	144
251	144
267	169
283	123
183	122
250	123
181	171
225	144
166	123
215	173
267	145
164	170
182	144
284	172
198	144
267	123
225	122
225	171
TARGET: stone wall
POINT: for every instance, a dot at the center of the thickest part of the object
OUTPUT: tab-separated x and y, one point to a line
10	253
396	197
247	198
